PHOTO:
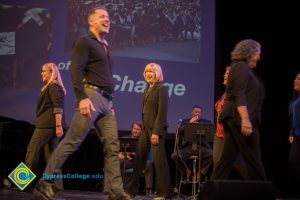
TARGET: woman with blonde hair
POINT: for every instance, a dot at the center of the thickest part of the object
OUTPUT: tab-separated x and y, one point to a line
154	118
50	122
55	76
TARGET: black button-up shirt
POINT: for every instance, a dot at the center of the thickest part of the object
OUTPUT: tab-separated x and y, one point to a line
90	61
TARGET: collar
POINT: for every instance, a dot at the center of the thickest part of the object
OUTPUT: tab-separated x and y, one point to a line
92	35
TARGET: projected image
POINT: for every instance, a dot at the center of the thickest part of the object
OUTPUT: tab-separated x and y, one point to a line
25	43
159	29
177	34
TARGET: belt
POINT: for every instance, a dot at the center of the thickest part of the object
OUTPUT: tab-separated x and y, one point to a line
100	91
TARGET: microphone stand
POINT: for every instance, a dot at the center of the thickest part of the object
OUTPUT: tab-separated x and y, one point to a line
124	146
176	150
200	134
176	138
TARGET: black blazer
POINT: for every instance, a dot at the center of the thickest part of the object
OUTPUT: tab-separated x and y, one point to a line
50	101
155	109
244	88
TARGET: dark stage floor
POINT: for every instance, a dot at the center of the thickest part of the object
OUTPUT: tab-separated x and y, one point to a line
15	194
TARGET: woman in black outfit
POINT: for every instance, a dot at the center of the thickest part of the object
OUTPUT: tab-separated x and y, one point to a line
241	113
154	117
50	123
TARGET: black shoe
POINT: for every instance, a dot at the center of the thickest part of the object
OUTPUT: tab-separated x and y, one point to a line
185	179
149	192
203	178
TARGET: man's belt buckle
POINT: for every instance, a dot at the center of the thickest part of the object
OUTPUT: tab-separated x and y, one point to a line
102	92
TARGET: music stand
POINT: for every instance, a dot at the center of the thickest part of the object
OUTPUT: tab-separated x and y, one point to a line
127	144
194	132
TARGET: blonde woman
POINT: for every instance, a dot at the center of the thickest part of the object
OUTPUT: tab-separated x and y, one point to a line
154	118
49	118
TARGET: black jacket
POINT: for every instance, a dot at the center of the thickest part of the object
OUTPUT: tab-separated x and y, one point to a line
155	108
244	88
50	101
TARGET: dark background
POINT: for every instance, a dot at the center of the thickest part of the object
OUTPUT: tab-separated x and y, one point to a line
274	25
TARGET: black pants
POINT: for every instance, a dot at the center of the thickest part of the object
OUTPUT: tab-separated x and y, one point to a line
294	158
42	139
182	154
234	143
163	181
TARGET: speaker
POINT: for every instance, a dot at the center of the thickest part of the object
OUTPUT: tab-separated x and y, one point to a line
238	190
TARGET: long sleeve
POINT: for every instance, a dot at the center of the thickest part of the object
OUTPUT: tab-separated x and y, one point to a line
79	60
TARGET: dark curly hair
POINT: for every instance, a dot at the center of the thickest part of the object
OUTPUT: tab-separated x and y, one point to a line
244	49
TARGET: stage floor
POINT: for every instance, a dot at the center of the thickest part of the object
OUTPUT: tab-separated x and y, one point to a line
15	194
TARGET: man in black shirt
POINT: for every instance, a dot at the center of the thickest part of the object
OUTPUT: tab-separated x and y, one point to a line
91	75
187	149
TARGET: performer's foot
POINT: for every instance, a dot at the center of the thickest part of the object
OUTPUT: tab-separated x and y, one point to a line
121	196
45	193
159	198
149	192
41	194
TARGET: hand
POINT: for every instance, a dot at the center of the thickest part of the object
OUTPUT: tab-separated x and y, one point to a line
154	139
121	156
85	107
128	157
291	139
59	131
246	128
194	119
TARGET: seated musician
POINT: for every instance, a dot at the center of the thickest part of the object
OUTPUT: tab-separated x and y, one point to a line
127	158
186	149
